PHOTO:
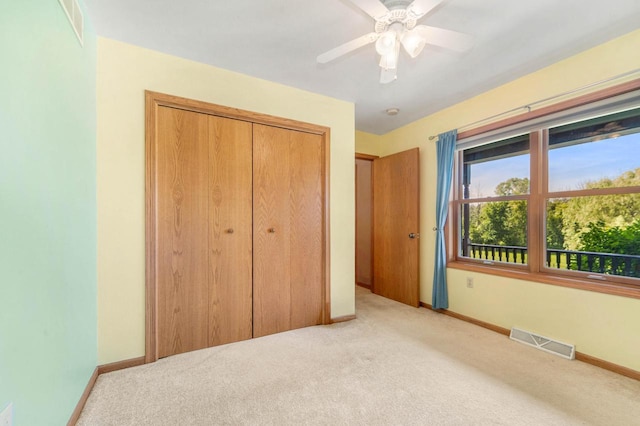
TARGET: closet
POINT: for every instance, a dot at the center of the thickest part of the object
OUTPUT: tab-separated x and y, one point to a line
236	225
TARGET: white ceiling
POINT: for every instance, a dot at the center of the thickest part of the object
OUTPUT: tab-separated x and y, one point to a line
279	40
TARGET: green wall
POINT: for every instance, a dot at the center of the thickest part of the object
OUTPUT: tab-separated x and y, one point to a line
47	211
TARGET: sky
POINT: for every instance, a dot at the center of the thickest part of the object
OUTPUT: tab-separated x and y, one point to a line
569	167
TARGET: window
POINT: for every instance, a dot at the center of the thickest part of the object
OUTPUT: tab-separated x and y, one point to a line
560	201
495	188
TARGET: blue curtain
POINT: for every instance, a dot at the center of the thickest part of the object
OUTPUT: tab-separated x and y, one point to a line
446	147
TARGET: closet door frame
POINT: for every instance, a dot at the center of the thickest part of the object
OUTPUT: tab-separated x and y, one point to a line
154	100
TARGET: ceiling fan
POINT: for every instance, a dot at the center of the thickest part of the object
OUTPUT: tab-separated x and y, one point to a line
395	25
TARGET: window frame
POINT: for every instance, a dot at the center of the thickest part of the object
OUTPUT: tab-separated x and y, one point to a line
535	270
459	200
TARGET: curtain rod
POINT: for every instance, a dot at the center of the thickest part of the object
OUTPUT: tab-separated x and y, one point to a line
529	106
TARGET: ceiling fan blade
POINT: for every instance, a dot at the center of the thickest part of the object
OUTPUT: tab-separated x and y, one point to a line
419	8
347	47
388	75
445	38
373	8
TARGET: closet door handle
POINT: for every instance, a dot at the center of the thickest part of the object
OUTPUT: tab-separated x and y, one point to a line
272	230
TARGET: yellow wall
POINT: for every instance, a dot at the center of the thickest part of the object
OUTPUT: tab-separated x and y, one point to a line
124	72
604	326
599	325
366	143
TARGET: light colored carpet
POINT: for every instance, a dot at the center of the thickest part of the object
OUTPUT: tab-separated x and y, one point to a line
394	365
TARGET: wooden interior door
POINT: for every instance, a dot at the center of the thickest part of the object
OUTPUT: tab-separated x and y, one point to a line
230	230
203	240
396	227
182	246
288	230
271	228
306	227
364	215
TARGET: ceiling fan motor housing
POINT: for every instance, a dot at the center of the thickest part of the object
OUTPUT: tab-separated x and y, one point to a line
401	16
396	4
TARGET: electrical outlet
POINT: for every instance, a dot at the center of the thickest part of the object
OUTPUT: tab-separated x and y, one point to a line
469	282
6	417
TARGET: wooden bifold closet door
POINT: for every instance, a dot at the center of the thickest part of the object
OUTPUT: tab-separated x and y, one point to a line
287	241
204	267
236	232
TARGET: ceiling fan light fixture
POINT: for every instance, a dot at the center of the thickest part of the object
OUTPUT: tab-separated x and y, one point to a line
412	42
386	43
390	60
395	25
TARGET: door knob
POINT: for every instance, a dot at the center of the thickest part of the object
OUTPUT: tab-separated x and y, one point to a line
414	235
272	230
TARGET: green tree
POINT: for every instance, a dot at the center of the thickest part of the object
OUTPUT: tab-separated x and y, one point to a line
612	210
621	240
502	222
513	186
600	238
555	214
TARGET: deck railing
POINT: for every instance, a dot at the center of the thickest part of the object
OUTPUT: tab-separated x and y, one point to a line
602	263
511	254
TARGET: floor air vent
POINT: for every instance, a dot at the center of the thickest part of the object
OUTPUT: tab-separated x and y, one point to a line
543	343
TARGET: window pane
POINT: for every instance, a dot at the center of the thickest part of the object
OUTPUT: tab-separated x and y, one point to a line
495	231
497	169
599	234
596	153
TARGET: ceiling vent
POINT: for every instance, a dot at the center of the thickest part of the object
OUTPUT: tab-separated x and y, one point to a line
543	343
74	14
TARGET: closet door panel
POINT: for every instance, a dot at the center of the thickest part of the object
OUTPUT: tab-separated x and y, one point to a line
306	196
230	230
271	230
182	222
